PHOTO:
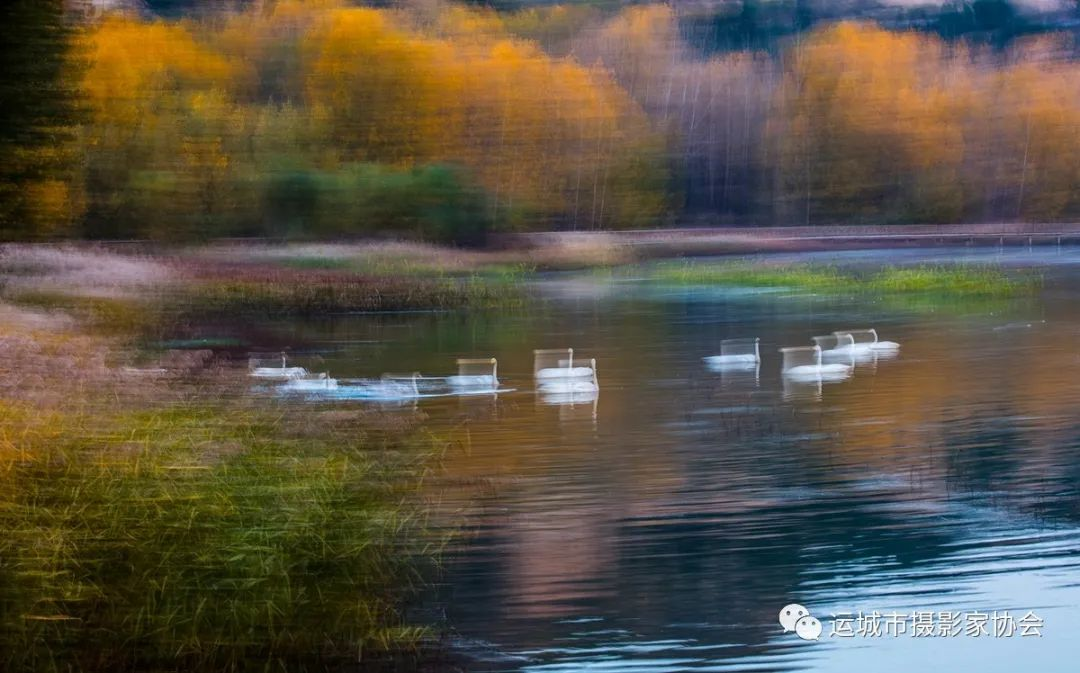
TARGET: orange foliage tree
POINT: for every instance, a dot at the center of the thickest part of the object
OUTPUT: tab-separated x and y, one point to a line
868	128
543	135
219	125
198	116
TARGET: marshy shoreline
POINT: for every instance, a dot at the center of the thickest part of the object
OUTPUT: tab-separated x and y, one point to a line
722	240
569	250
156	514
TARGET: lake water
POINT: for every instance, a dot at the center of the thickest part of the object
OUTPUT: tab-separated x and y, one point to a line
663	526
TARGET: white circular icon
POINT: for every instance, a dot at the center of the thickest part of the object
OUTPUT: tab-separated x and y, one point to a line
789	614
808	628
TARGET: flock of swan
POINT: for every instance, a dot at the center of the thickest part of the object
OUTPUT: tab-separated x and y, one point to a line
560	378
831	357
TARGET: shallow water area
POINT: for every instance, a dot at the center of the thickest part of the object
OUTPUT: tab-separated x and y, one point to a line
661	524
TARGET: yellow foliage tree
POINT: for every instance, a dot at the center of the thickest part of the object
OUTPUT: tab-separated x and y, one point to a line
868	128
541	134
1038	137
161	118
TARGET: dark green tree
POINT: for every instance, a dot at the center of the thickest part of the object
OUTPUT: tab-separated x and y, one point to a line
37	108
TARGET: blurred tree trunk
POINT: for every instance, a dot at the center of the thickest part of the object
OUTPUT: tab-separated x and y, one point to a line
37	117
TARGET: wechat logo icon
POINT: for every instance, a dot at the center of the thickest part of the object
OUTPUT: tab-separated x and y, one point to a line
795	617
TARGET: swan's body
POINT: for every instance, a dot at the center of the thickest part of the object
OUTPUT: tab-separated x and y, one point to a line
829	370
564	378
840	347
278	373
475	376
562	373
282	373
735	353
385	389
877	346
310	384
866	340
720	360
804	363
569	398
837	345
568	385
398	390
404	387
472	381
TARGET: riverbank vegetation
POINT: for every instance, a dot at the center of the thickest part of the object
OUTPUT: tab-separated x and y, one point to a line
956	280
741	274
140	293
961	280
439	121
275	291
157	516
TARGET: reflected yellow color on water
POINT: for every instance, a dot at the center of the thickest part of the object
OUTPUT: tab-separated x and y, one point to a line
670	520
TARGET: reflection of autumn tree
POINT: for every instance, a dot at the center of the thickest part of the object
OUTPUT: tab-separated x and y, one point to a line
925	409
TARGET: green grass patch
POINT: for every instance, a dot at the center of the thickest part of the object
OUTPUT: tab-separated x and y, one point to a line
207	537
950	280
745	274
967	280
314	293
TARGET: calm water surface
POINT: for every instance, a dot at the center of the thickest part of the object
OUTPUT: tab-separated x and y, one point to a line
662	526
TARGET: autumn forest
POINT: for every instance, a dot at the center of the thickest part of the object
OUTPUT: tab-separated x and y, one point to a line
324	119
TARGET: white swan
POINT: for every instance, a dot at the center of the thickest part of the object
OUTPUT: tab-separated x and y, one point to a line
554	374
396	386
570	398
834	345
569	386
742	353
867	340
388	388
282	373
404	387
468	378
841	347
805	362
309	384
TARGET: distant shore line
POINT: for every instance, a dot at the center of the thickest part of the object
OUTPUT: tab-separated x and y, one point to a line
684	241
693	241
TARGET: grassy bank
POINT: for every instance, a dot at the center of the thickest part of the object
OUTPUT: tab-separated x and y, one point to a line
962	280
161	518
125	290
744	274
954	280
283	290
